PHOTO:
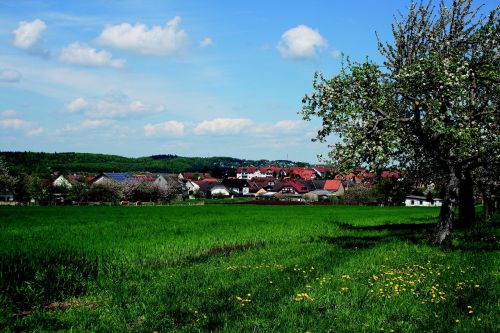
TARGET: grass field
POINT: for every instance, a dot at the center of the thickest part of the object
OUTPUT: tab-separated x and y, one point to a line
243	268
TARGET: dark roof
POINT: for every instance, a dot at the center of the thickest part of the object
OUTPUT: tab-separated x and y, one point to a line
234	182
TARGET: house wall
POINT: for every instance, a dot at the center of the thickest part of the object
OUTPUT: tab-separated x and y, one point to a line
422	203
219	191
62	182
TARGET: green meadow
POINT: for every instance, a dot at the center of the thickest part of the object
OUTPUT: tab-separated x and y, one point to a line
243	268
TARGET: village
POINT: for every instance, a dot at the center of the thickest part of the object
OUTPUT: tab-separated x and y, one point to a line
295	184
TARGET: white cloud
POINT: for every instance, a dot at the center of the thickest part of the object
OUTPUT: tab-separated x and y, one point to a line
279	128
20	124
15	123
10	75
206	42
27	34
336	54
76	105
80	54
223	126
168	128
9	113
113	105
288	126
96	123
157	40
87	124
301	42
35	131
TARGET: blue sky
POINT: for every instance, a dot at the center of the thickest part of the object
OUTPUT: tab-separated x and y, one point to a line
192	78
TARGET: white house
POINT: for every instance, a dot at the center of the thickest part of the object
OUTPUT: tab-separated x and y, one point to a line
191	187
219	190
248	173
62	182
420	201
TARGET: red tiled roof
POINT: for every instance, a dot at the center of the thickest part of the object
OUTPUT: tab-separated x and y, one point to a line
298	186
390	174
332	185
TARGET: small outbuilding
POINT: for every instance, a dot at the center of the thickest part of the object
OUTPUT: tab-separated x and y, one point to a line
421	201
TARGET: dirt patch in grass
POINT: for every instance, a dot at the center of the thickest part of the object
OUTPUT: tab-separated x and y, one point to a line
63	305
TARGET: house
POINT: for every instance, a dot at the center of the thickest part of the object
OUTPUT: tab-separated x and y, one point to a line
205	186
321	170
119	177
334	186
390	174
303	173
292	187
266	183
220	190
421	201
165	180
62	182
238	186
195	176
260	192
318	195
191	187
272	171
248	173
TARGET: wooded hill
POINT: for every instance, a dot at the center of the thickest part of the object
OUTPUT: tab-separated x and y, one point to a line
43	163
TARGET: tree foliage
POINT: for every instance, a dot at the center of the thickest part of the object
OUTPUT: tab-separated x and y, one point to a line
432	106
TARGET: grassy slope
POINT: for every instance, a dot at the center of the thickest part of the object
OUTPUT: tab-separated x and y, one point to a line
242	268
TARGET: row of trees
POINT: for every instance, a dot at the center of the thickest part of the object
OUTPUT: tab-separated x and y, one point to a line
431	108
27	188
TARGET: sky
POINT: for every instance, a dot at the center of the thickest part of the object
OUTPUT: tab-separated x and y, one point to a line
191	78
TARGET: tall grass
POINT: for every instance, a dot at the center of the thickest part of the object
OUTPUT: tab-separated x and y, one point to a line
241	268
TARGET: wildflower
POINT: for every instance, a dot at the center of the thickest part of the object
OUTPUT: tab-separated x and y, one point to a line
457	321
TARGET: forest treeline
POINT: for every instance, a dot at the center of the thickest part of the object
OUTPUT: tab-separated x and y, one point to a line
40	163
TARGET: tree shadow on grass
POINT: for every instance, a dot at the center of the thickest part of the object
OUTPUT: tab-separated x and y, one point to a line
481	240
416	233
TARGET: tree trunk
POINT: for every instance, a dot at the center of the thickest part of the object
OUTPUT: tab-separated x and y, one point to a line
447	213
466	210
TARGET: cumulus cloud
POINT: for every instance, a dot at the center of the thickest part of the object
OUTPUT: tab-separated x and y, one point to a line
301	42
278	128
157	40
113	105
76	105
288	126
10	75
15	123
18	124
222	126
28	34
206	42
87	124
83	55
96	123
168	128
